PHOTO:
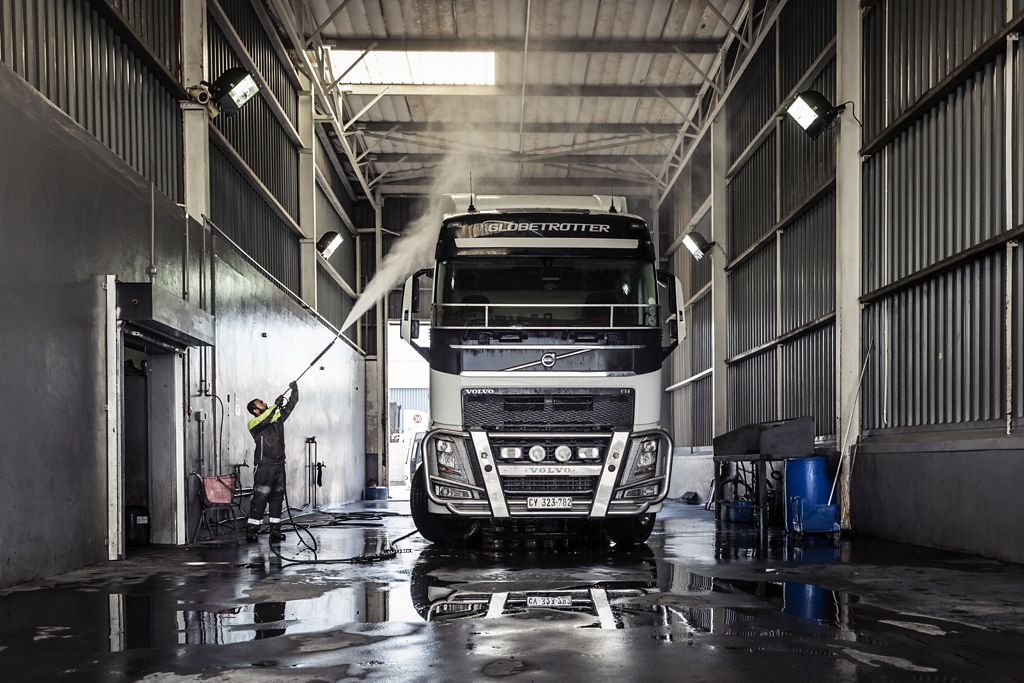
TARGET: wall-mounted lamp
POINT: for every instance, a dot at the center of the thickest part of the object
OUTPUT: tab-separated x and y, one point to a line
697	244
232	89
813	112
328	243
227	94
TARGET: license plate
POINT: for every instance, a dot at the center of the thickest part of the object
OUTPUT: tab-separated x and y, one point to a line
549	601
549	503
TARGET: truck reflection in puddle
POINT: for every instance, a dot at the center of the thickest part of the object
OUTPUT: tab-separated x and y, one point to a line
447	586
621	589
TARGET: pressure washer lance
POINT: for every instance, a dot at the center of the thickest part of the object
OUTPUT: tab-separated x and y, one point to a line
849	423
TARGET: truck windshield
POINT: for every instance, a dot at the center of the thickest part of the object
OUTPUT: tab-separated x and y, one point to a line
556	292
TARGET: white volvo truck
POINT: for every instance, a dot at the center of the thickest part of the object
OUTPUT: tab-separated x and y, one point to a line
549	327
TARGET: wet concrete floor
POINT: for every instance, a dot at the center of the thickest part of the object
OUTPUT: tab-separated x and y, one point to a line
694	603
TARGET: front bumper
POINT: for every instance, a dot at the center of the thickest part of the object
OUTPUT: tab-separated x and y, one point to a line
484	485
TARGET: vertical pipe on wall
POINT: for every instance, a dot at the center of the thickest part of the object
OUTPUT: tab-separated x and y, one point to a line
848	240
719	277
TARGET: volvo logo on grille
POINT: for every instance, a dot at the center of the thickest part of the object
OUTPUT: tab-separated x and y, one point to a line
548	469
548	360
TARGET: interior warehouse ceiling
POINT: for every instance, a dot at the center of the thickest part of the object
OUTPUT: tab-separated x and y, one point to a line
587	96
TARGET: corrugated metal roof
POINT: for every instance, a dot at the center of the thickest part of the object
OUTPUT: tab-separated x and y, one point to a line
573	20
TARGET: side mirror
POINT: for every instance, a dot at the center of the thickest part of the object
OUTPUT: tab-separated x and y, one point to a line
410	324
410	296
674	311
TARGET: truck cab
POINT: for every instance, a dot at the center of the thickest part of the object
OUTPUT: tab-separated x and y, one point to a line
549	327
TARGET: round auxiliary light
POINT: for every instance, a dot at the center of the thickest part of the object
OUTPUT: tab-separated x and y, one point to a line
537	453
563	453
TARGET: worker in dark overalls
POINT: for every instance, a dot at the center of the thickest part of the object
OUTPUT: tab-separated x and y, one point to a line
268	481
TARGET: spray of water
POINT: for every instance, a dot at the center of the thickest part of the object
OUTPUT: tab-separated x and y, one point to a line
415	249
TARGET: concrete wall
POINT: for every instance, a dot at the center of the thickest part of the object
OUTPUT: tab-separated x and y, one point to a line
691	471
960	494
249	366
70	212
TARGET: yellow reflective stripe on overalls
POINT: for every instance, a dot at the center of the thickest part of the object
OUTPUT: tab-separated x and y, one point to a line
271	413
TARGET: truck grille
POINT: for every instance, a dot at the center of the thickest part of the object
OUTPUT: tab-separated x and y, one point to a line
548	485
548	409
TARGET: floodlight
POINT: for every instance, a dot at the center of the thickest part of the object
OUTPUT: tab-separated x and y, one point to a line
813	112
232	89
328	243
697	244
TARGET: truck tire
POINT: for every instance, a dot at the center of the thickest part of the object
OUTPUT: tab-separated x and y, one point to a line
630	530
442	529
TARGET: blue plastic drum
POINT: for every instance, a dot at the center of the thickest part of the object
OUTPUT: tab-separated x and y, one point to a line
807	479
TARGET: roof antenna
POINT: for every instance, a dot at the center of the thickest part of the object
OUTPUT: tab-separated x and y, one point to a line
612	209
472	204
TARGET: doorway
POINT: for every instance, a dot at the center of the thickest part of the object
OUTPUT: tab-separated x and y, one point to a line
152	441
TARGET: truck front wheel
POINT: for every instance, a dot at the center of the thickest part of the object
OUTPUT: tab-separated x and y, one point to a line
442	529
630	530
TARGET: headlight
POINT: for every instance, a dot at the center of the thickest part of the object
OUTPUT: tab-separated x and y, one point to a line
537	453
448	461
511	453
444	446
588	453
563	453
646	460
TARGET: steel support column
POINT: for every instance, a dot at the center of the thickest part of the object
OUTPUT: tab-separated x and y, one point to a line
719	277
382	342
307	194
195	117
848	346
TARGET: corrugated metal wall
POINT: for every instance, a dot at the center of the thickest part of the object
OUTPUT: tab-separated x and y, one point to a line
752	205
814	22
700	331
782	232
702	406
249	28
807	164
808	262
241	211
255	133
933	190
758	86
158	25
752	302
929	38
332	302
410	399
752	393
328	220
68	52
808	378
333	179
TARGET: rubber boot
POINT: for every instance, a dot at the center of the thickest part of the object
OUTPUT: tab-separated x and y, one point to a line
252	533
275	533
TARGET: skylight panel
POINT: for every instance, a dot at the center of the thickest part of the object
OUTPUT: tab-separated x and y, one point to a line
415	68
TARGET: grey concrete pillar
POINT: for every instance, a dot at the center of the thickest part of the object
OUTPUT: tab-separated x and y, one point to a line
848	241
